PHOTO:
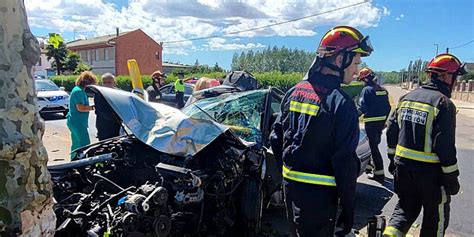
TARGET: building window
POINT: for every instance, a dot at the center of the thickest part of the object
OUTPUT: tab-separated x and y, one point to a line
96	55
111	53
83	55
88	52
101	55
106	54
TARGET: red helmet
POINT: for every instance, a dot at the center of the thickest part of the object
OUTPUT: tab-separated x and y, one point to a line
344	39
366	73
446	64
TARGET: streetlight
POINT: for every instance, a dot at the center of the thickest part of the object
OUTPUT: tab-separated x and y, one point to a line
437	46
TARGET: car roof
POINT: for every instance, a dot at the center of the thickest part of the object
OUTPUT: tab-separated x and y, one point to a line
45	81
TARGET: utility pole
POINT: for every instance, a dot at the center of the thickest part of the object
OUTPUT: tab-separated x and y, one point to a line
437	46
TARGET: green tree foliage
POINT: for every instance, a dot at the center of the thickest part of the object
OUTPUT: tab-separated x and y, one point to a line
64	59
273	59
282	81
217	68
392	77
197	69
467	77
81	67
58	54
71	61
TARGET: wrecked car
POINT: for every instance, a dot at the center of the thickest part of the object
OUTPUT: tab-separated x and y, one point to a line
205	170
170	175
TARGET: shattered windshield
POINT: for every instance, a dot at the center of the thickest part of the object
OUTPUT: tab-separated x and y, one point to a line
240	111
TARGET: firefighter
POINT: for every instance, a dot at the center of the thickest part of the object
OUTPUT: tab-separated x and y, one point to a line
316	135
375	107
420	137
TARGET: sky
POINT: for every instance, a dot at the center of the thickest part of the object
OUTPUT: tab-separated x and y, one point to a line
400	30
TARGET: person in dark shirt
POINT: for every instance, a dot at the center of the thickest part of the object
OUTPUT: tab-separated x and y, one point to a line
158	80
107	123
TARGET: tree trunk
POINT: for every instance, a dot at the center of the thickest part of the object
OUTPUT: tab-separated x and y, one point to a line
58	66
25	183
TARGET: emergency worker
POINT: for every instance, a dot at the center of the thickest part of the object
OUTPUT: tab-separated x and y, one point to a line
375	108
179	90
421	139
154	93
316	136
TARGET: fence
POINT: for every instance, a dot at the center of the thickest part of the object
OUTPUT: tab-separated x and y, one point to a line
464	91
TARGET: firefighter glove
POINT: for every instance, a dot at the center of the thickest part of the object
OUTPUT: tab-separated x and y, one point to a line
451	184
391	166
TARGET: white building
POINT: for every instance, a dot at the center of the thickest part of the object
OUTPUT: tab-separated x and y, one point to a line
44	65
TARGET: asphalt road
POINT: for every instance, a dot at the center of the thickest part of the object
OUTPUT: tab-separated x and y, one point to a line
372	198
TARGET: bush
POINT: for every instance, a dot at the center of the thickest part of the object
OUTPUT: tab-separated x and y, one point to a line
468	76
81	67
282	81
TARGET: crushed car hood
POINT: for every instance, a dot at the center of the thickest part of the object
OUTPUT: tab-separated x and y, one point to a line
162	127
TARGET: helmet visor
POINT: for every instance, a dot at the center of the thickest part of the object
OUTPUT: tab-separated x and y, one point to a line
462	69
364	47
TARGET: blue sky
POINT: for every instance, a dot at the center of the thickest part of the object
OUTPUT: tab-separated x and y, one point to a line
399	30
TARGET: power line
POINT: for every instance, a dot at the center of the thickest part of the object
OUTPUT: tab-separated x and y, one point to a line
266	26
462	45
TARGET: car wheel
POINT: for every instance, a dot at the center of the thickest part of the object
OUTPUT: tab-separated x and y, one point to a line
251	206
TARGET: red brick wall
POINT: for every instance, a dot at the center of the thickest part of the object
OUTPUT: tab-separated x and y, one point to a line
139	46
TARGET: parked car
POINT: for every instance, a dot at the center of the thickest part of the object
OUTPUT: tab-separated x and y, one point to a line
51	98
40	77
168	94
171	175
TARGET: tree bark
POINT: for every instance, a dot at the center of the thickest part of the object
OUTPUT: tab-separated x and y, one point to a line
25	183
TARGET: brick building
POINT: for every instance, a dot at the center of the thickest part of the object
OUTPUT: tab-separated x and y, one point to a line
110	53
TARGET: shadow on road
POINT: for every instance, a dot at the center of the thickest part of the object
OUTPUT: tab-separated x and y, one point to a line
371	198
56	116
370	201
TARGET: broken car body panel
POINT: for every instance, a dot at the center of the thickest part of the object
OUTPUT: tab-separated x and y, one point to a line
164	128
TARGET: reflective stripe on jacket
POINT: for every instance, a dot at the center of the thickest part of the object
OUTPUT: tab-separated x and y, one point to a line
316	136
422	129
308	177
373	103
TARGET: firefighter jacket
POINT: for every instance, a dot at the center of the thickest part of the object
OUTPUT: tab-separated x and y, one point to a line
373	103
316	136
421	131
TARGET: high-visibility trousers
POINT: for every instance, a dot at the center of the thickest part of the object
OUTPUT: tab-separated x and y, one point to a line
311	209
374	134
417	189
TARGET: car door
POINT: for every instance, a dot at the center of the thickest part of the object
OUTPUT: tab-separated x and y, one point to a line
188	91
271	110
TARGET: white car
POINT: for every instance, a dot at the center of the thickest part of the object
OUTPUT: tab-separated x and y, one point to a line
51	98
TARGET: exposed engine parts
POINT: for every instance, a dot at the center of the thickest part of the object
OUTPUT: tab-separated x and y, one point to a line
138	191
